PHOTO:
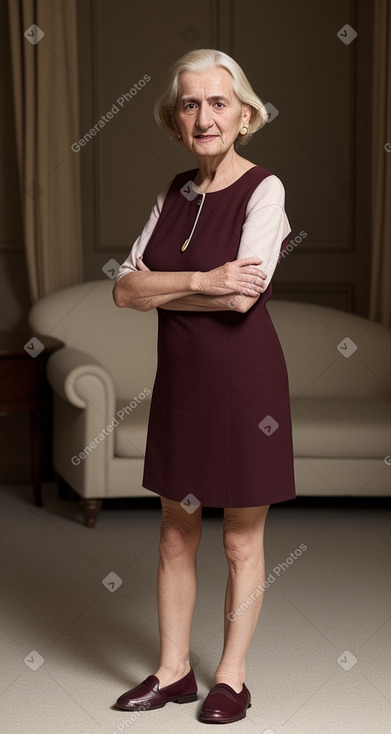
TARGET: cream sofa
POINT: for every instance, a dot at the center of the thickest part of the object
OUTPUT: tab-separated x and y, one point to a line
103	378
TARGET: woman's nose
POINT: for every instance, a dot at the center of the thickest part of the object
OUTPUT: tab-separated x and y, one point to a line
204	117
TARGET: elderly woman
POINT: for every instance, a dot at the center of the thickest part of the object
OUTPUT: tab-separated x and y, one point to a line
219	431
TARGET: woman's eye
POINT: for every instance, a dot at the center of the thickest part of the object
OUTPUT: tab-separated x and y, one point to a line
191	105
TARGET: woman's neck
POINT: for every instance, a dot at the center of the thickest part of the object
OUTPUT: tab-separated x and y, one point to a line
216	174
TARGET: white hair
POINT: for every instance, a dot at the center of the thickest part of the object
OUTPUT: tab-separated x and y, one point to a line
200	60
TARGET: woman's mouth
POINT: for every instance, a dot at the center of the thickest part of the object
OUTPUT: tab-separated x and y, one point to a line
205	138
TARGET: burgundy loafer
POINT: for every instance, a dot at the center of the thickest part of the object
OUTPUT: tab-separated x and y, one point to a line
147	695
223	705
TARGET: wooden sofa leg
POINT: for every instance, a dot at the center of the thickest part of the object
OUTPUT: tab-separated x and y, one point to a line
91	509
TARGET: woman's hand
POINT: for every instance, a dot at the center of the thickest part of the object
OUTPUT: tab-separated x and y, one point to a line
239	276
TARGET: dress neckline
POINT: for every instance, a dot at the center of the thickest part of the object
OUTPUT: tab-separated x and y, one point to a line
208	193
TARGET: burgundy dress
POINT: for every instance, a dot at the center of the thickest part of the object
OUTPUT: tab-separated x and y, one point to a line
220	423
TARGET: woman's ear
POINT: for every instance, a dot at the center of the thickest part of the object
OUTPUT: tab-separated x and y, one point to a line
247	113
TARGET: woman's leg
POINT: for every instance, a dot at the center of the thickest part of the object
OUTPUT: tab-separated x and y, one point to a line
180	537
243	543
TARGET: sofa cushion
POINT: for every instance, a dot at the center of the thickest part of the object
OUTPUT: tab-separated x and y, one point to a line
341	427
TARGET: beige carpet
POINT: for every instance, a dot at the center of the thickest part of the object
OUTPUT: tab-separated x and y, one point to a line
320	662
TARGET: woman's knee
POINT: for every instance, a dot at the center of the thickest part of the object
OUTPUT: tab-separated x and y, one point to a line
243	534
237	546
180	532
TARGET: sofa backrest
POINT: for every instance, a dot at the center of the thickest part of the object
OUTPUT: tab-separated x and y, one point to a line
124	341
310	335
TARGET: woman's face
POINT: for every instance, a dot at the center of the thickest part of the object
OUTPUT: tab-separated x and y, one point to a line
208	114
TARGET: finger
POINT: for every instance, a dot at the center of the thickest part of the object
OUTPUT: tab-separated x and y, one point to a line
250	270
255	288
257	278
249	261
249	292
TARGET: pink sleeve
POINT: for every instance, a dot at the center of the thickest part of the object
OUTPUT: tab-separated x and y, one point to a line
266	225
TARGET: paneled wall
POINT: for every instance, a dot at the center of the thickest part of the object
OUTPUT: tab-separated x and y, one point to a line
318	142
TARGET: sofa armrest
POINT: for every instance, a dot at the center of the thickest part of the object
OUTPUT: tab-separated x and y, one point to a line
82	380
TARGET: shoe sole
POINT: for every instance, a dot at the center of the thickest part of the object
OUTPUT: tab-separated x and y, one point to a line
180	699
